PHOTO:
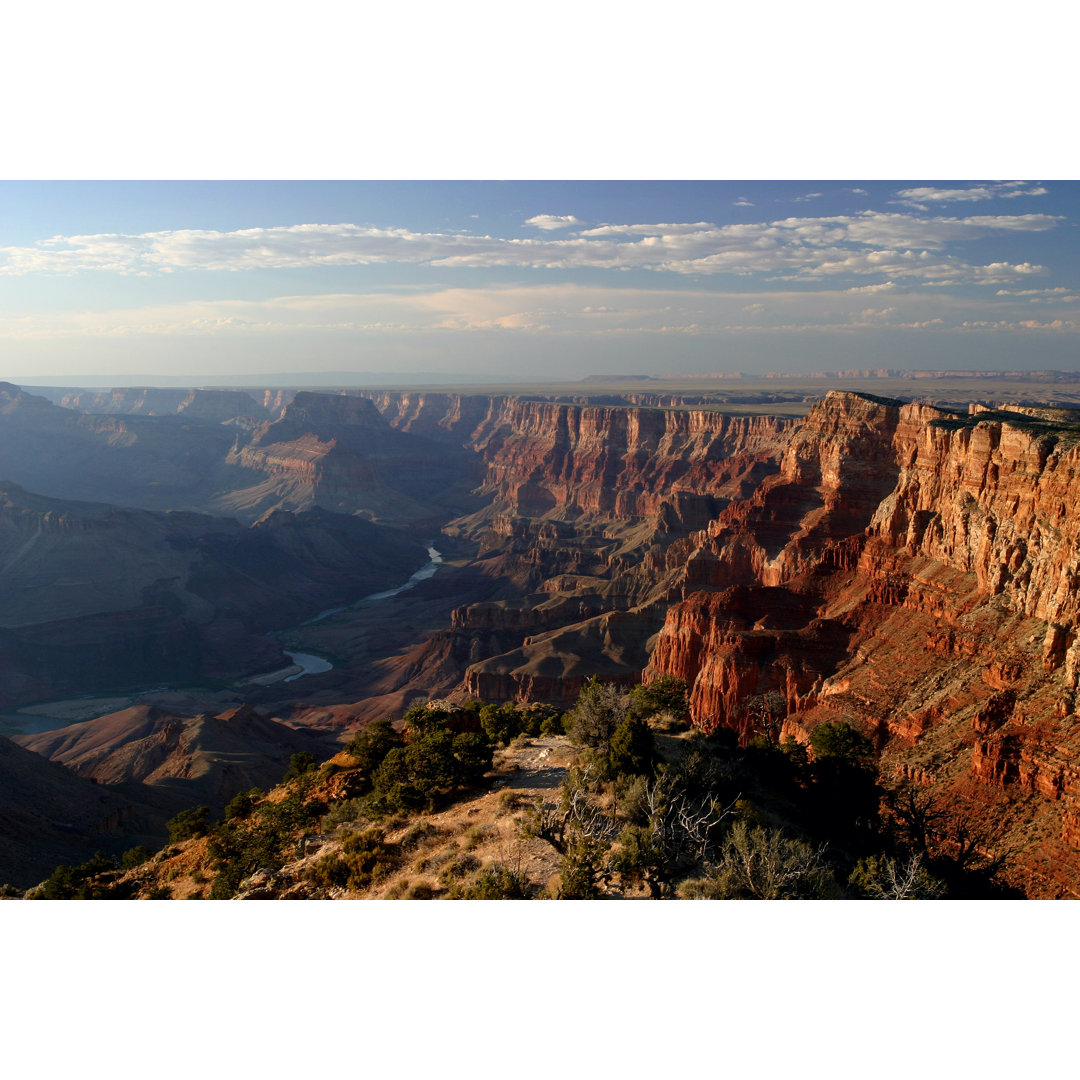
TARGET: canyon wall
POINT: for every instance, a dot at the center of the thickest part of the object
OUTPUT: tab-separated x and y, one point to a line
550	458
912	571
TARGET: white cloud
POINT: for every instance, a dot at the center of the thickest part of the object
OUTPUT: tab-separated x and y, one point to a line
553	221
884	286
891	245
921	197
1030	292
665	229
742	202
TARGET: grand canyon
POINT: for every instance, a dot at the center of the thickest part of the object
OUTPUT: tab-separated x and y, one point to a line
169	560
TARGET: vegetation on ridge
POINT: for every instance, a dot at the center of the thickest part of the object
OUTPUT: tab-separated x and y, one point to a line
645	807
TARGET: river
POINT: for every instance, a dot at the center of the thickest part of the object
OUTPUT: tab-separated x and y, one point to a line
309	663
426	571
57	714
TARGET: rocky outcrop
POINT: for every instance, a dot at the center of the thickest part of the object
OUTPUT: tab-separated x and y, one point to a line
547	457
992	494
930	565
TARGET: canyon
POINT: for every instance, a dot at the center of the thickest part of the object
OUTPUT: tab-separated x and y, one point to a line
909	568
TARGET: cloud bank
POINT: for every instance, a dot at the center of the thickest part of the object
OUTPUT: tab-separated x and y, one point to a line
891	245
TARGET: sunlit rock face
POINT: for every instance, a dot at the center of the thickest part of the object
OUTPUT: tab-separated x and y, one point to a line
932	562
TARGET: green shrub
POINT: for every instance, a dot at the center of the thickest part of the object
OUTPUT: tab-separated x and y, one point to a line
263	841
344	812
417	835
580	867
135	856
425	719
881	877
241	804
598	712
372	743
78	882
189	824
763	864
495	883
474	836
553	724
500	723
665	694
509	801
840	740
640	858
300	764
366	858
330	871
632	793
423	773
633	749
458	868
796	753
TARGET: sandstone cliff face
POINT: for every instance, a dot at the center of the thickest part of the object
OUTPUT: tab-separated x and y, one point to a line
995	498
566	460
446	417
930	561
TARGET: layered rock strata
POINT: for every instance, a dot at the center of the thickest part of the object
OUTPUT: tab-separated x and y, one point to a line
931	561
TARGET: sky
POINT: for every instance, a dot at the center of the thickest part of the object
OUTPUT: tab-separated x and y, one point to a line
527	280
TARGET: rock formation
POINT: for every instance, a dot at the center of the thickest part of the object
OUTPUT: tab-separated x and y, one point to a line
910	569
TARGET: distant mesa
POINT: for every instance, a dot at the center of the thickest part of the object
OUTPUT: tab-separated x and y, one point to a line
617	378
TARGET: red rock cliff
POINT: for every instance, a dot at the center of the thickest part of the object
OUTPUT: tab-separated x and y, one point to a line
931	561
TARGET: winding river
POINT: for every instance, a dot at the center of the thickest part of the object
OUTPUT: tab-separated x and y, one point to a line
52	715
426	571
310	664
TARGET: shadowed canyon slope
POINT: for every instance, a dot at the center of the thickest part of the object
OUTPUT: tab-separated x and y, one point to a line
202	759
910	569
96	597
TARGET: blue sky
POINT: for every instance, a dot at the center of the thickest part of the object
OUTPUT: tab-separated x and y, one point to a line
535	279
